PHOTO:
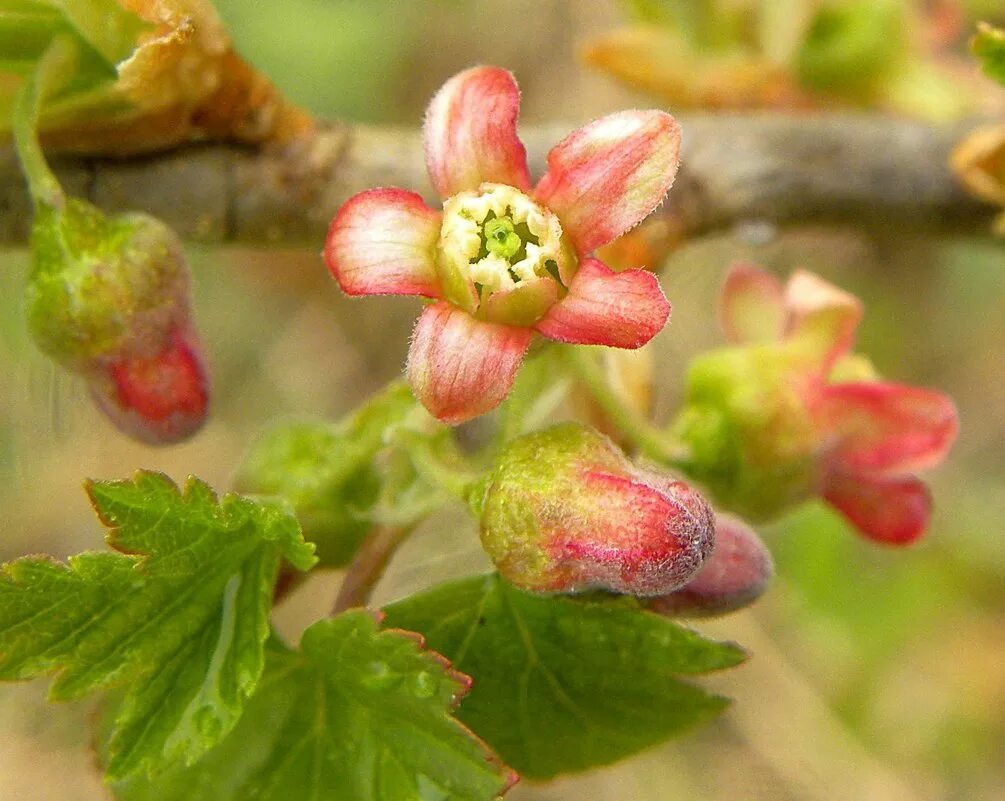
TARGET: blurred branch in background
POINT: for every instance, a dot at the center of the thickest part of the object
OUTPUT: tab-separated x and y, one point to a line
735	168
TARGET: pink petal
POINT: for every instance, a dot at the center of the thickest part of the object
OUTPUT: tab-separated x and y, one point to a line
381	242
460	367
623	310
606	177
734	576
751	305
882	426
822	317
894	511
470	133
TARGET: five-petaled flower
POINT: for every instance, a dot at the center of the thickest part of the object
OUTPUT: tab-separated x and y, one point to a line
504	260
793	412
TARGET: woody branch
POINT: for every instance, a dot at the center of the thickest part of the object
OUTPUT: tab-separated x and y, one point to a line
824	168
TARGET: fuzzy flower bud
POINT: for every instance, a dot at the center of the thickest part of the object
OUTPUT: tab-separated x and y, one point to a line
564	510
108	299
734	576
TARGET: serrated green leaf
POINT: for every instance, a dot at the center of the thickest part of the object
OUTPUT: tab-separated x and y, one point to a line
565	683
359	715
181	614
989	46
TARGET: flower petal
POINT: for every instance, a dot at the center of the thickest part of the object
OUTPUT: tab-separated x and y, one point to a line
882	426
622	310
470	133
822	317
751	305
606	177
460	367
381	243
894	511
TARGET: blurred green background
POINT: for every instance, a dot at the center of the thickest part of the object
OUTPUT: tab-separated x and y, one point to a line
876	673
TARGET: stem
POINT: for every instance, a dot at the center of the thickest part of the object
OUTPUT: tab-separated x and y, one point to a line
368	566
430	464
50	73
653	442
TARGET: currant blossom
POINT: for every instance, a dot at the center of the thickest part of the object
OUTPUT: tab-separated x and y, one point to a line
564	510
504	260
791	411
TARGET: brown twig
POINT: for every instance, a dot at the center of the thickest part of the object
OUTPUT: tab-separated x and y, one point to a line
736	167
368	566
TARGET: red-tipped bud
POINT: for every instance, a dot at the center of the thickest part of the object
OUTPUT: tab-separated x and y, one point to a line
108	298
158	399
564	510
734	576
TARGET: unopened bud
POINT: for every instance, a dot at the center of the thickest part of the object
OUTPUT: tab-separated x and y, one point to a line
564	510
108	298
734	575
158	399
746	429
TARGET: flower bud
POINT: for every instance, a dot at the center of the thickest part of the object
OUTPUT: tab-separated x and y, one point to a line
108	299
734	575
747	431
564	510
159	399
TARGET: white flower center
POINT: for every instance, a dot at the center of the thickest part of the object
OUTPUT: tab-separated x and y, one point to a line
498	238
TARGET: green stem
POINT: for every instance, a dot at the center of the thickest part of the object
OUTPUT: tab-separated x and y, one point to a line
653	442
448	471
50	74
368	566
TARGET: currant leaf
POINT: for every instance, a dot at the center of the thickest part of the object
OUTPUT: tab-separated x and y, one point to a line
565	683
357	714
179	614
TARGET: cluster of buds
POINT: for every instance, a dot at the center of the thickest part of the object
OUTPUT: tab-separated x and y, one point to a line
790	412
564	510
108	299
504	261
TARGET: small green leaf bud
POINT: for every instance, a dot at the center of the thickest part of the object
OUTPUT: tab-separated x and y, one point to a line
564	510
323	476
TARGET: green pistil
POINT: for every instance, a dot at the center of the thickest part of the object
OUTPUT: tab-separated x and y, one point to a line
500	238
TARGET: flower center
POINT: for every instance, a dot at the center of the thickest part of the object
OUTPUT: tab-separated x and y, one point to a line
495	240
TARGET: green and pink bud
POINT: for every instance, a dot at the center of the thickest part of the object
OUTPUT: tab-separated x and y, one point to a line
108	299
504	260
564	510
789	412
734	576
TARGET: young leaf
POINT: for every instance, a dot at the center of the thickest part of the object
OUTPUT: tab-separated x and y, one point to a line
564	683
180	615
989	46
359	713
102	32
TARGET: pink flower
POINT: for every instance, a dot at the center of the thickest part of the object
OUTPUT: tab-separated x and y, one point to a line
869	436
503	260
